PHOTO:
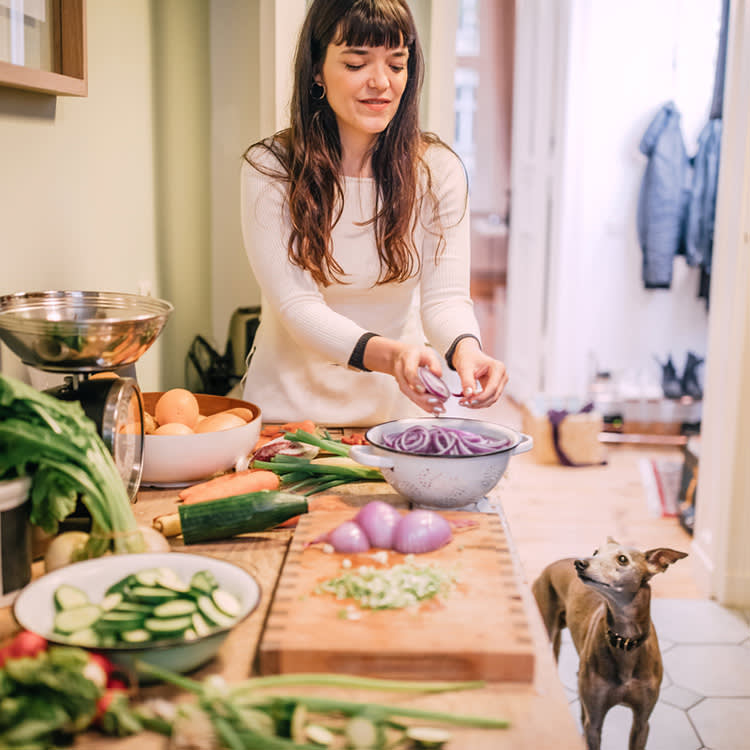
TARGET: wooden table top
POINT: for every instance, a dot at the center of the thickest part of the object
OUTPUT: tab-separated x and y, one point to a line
538	711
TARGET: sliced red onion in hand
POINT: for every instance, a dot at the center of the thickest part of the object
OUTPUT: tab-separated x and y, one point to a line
421	531
434	385
378	520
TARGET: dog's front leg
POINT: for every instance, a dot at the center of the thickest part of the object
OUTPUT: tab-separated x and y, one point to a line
593	694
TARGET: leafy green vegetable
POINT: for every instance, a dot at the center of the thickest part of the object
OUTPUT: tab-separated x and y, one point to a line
58	446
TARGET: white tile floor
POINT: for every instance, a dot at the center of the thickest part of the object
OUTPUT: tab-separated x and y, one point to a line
704	702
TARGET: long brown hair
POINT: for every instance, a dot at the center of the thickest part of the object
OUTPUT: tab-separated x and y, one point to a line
309	151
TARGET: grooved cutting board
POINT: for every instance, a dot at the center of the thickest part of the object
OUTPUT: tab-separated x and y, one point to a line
478	631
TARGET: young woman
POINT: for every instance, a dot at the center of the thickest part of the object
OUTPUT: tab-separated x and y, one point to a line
356	225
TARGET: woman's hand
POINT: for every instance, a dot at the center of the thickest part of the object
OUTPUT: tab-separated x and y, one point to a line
472	366
405	369
402	362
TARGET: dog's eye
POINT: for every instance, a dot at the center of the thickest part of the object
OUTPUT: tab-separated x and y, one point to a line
622	560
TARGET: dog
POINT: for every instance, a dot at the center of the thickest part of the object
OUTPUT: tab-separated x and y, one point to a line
605	602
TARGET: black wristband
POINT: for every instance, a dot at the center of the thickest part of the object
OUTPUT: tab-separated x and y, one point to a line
452	349
356	361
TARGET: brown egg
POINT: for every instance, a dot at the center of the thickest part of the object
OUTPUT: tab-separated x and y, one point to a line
173	428
177	405
241	411
220	421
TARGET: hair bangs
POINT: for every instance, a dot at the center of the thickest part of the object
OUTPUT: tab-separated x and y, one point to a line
369	24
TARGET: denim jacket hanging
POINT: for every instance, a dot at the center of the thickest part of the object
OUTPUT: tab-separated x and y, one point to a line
664	197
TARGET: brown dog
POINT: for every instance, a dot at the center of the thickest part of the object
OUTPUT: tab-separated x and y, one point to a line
605	601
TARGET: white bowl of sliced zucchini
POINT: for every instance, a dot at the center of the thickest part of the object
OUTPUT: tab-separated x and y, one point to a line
172	609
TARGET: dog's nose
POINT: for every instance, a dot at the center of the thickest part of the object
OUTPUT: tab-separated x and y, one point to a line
581	565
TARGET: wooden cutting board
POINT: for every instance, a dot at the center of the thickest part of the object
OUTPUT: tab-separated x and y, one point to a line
479	631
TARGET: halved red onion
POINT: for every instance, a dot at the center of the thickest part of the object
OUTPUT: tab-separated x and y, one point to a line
421	531
348	537
378	520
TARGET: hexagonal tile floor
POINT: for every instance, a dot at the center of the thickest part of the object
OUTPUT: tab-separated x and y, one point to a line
704	703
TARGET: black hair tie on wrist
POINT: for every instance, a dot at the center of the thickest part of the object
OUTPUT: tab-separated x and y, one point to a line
452	348
356	360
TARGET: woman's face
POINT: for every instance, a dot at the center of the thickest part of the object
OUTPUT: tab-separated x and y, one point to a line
364	86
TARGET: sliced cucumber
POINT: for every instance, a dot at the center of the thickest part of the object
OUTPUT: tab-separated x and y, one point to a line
318	735
121	585
212	613
119	621
70	597
175	608
69	621
363	733
128	606
204	582
226	602
139	635
170	580
86	638
167	626
147	577
152	594
111	601
200	625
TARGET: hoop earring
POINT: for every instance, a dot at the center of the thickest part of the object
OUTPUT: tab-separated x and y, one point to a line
318	91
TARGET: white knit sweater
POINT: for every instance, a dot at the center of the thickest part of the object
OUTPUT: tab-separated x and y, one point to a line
307	332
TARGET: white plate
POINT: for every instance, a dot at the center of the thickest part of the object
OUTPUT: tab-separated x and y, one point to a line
34	608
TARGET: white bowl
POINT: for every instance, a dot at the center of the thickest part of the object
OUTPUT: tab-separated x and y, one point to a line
442	482
181	459
34	608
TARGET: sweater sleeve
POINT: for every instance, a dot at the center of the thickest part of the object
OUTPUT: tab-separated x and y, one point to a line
291	291
446	305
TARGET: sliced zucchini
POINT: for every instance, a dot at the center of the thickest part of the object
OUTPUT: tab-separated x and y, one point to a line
190	635
226	602
210	611
167	626
70	597
79	618
175	608
363	733
139	635
122	584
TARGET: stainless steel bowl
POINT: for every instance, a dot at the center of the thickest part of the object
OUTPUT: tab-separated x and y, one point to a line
442	482
73	331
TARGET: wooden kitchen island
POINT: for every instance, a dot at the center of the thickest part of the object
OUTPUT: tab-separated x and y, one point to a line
538	711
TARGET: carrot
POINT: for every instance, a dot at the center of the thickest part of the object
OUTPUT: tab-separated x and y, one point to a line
273	430
318	502
233	483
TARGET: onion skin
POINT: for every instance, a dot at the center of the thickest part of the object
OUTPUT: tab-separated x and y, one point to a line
378	520
421	531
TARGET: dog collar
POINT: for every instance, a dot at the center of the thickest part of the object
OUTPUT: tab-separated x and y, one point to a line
626	644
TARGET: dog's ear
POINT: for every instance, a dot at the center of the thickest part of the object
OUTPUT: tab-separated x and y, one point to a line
660	558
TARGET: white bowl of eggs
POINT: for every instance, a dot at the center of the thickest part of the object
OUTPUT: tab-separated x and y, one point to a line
193	436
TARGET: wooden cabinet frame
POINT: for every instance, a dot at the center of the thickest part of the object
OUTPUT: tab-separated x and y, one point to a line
69	56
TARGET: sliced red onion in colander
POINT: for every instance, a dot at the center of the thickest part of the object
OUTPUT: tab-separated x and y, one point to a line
442	441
